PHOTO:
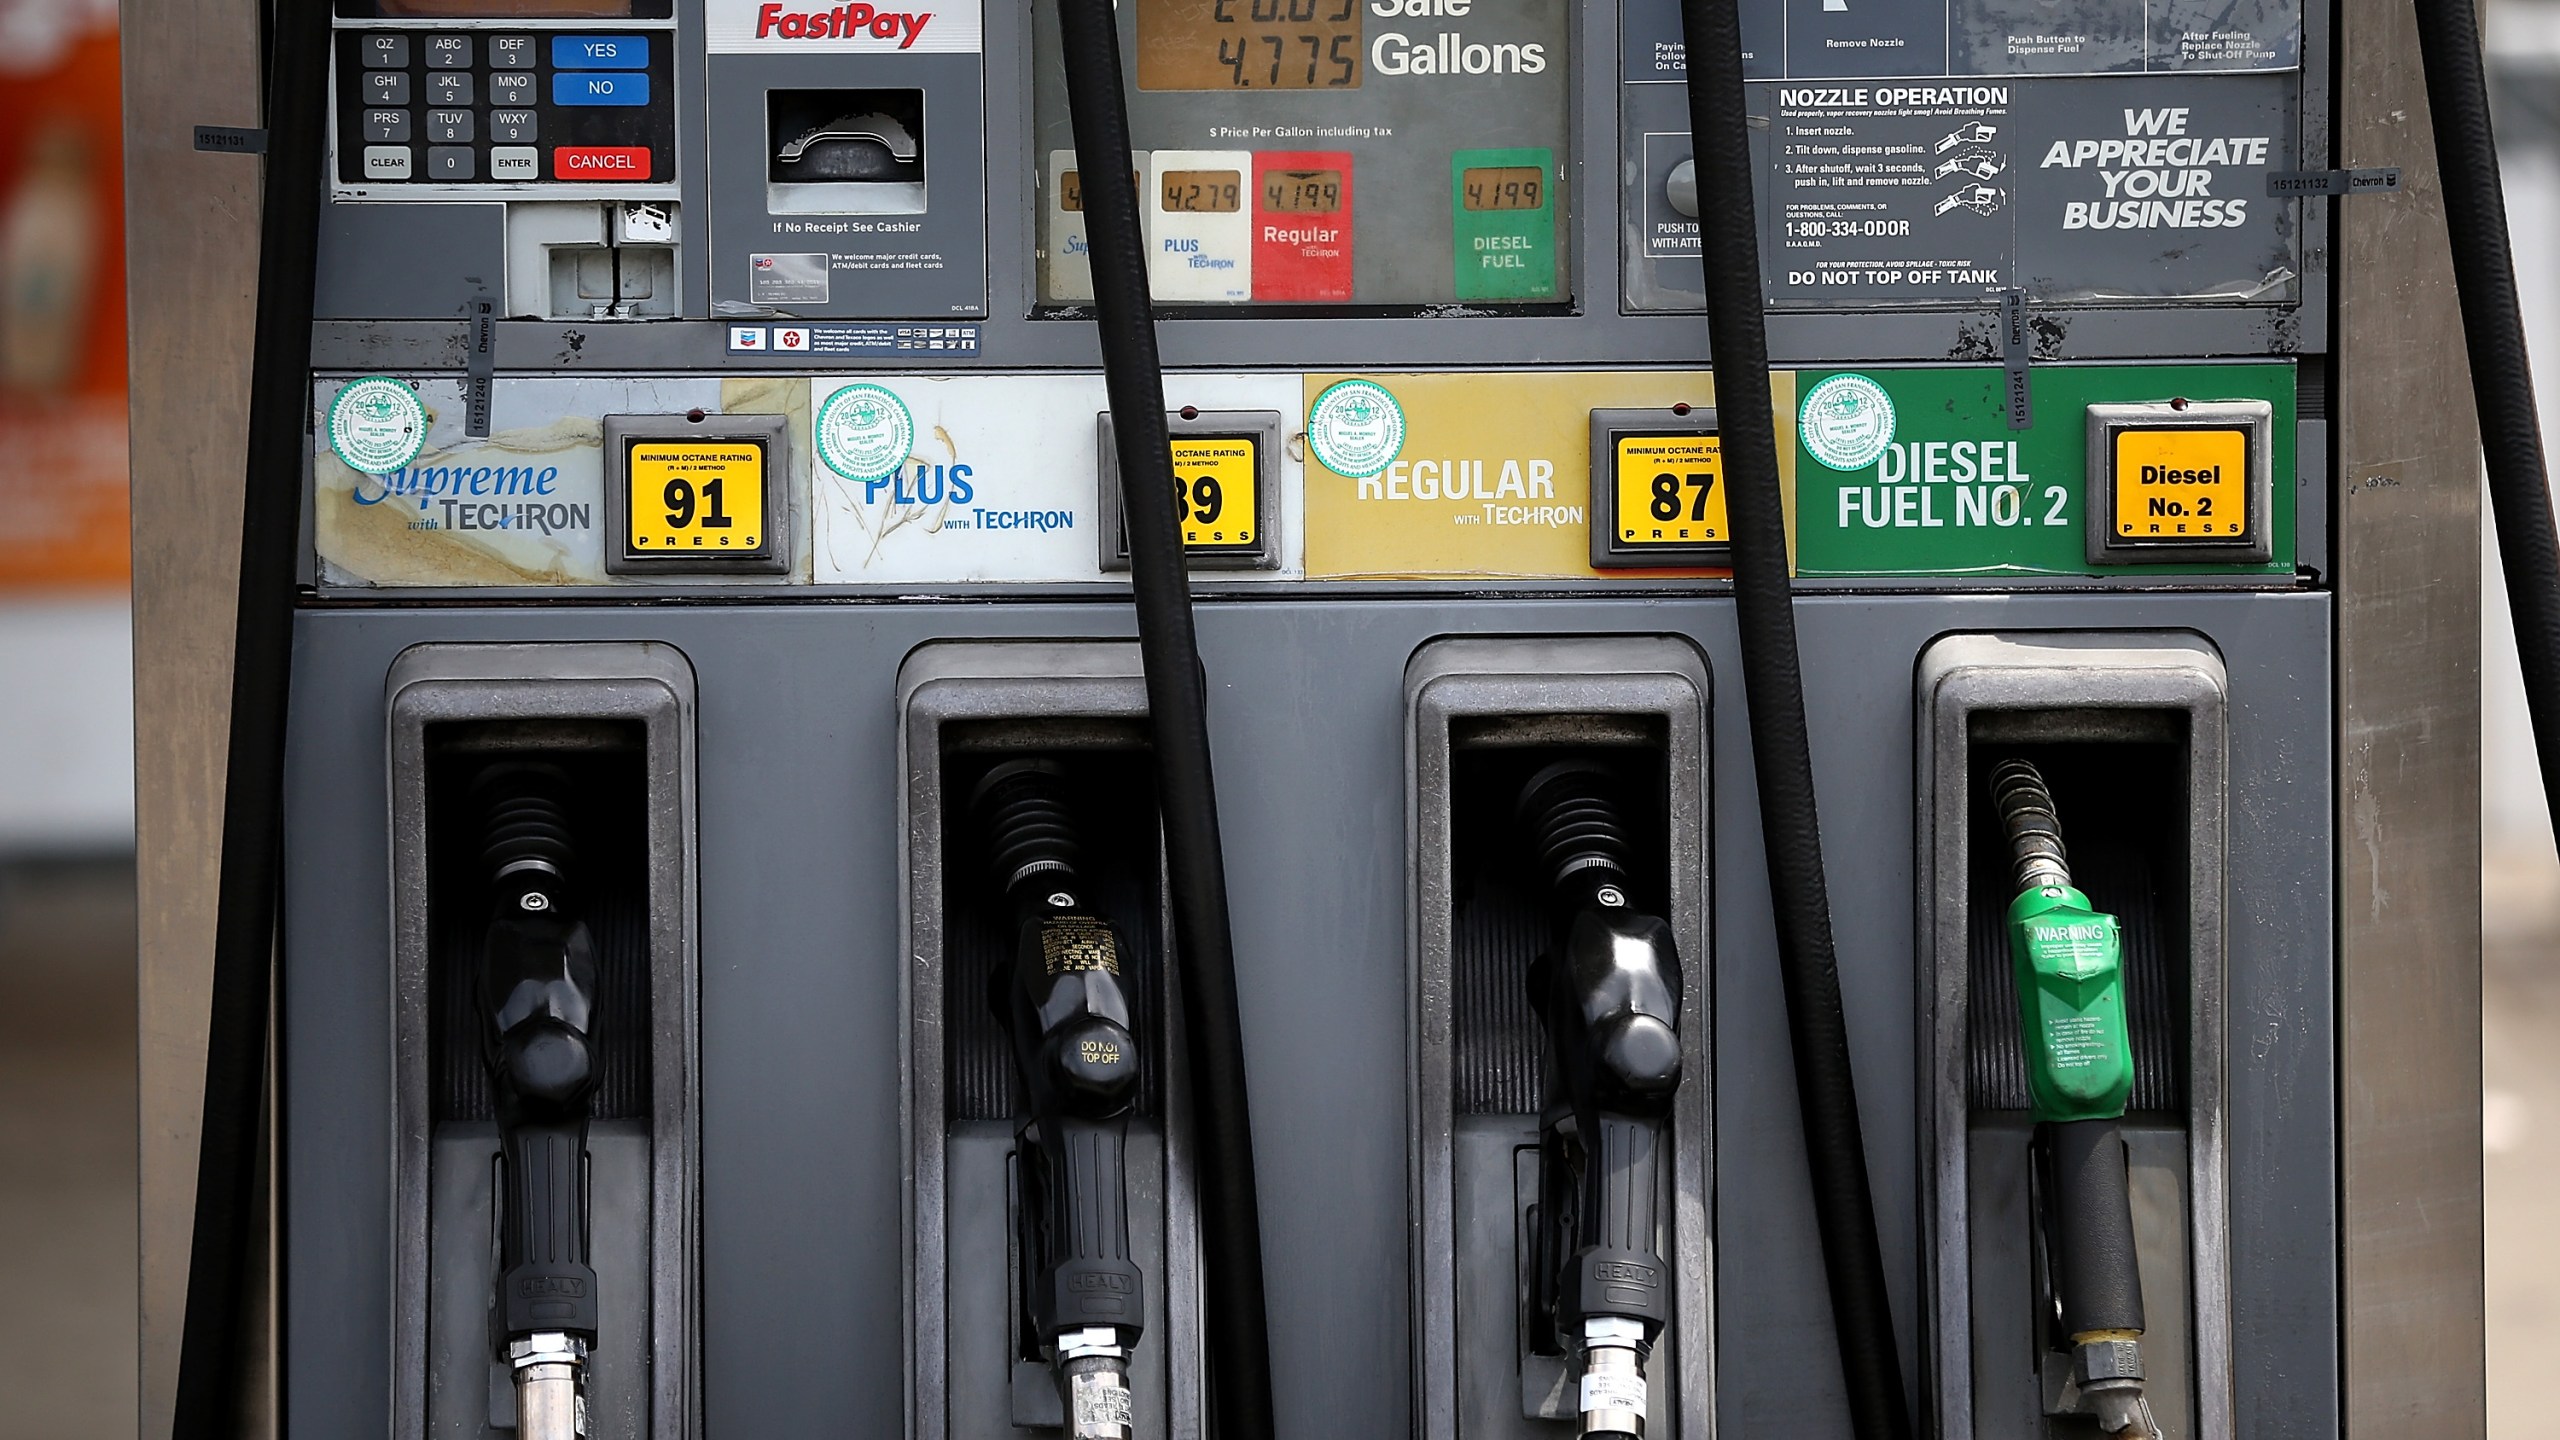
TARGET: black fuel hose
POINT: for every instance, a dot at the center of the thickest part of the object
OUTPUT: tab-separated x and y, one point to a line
1781	751
213	1337
2484	275
1234	1326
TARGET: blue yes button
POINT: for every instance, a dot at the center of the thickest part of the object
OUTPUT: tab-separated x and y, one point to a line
590	88
599	52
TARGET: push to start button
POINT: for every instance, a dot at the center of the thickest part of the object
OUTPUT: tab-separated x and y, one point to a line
2180	481
600	162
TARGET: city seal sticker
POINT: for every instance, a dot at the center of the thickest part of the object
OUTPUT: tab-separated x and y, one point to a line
865	432
377	425
1846	422
1356	428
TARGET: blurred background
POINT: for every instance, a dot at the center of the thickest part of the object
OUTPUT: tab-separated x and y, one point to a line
67	908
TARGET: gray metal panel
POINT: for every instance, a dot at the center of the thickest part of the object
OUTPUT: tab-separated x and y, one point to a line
2407	532
804	1300
409	262
2090	680
191	281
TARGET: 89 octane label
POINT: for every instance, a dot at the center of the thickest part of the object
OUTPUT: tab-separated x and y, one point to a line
1214	489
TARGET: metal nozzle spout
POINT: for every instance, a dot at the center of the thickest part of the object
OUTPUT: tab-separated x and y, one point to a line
1093	1379
1613	1388
551	1391
2108	1374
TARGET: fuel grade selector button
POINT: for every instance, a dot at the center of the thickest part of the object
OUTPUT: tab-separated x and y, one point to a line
1657	489
695	494
2180	481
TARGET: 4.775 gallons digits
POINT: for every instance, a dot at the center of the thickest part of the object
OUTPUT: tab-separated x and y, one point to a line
1249	44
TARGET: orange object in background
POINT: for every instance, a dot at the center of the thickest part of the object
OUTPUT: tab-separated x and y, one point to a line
65	506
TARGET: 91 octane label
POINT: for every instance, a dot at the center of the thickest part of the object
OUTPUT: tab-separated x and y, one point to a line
1216	483
689	498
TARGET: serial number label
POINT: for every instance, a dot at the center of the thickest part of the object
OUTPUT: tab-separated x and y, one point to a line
1217	489
1670	490
694	498
2182	485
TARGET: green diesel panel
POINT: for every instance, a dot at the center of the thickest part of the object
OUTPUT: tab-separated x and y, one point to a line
2069	961
1955	491
1502	215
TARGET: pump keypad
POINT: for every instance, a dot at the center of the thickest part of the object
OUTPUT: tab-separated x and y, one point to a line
572	110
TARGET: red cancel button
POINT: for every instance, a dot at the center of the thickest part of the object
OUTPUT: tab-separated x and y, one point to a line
600	162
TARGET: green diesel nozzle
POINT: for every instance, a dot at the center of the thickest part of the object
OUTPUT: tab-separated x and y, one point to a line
2069	961
2070	965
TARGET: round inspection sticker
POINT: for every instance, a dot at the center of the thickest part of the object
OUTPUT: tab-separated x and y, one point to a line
865	432
1846	422
377	425
1356	428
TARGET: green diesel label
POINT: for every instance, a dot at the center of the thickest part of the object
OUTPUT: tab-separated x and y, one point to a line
1952	490
1503	218
2069	963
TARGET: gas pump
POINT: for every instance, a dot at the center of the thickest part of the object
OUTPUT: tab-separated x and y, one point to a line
1111	720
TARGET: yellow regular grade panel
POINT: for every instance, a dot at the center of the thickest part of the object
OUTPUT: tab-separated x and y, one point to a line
1434	475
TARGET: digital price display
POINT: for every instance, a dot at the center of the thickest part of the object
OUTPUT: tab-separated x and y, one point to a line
1203	192
1249	44
1302	192
1506	187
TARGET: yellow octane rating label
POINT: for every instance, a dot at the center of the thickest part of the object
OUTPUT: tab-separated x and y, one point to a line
1216	493
692	498
1671	490
2182	485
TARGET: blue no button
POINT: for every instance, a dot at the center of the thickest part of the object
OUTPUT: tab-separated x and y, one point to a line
599	52
589	88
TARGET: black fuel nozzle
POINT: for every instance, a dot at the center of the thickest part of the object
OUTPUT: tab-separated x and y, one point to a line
1062	1004
537	986
2068	962
1608	996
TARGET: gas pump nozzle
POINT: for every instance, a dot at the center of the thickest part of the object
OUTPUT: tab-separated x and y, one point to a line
537	986
2070	973
1609	999
1061	1002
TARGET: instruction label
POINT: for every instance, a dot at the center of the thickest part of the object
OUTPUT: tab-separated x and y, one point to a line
1886	192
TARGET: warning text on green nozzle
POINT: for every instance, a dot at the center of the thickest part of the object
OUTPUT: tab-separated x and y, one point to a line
2069	964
